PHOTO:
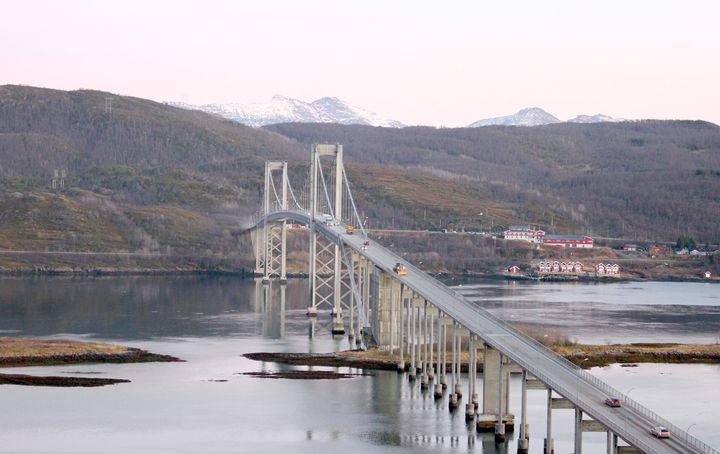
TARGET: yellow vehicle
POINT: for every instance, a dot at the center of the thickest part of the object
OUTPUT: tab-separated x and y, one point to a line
400	269
350	230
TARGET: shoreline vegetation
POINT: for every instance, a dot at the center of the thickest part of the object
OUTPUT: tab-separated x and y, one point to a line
585	356
245	274
25	352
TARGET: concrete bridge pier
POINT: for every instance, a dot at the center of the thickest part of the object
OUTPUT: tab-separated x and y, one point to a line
578	430
424	380
417	302
500	426
612	443
367	276
549	447
400	304
338	328
454	397
496	395
413	339
457	349
444	323
439	366
351	322
431	342
524	437
472	369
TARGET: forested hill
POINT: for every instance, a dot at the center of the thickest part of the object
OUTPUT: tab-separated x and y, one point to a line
147	177
43	129
650	180
140	176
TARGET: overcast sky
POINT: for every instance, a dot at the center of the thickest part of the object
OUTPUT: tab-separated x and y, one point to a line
434	63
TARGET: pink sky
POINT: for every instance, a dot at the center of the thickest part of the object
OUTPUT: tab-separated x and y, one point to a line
443	64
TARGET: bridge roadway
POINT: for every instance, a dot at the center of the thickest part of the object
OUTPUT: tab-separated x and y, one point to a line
631	422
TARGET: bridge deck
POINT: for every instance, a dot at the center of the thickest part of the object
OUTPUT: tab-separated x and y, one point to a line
631	422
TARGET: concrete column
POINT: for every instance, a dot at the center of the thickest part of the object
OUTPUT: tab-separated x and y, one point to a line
401	342
312	304
412	333
610	442
283	235
367	281
453	397
443	362
424	381
500	426
431	360
523	439
470	406
266	210
351	323
338	327
458	351
474	395
549	445
438	384
283	289
578	430
491	384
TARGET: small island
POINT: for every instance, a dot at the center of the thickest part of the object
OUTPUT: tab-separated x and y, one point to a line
585	356
26	351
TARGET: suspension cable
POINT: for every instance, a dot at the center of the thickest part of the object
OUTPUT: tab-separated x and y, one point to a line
272	184
327	197
292	194
352	201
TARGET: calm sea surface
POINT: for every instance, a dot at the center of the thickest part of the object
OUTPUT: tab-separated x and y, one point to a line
204	405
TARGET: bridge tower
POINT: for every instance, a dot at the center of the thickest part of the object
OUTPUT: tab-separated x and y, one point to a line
271	247
325	267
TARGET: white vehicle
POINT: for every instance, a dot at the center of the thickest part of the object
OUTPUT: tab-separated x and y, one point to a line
328	220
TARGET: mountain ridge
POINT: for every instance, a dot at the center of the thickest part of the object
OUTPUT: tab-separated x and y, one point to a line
535	116
282	109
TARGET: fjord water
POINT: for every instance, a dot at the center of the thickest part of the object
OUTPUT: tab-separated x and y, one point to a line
206	405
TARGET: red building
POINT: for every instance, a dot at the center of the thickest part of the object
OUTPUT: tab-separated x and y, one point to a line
513	269
576	241
524	233
560	267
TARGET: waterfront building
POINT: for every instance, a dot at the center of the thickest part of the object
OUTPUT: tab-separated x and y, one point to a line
576	241
524	233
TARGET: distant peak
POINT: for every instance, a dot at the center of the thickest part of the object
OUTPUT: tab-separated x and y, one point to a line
597	118
530	116
283	109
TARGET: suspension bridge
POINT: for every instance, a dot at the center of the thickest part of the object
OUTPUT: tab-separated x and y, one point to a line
380	300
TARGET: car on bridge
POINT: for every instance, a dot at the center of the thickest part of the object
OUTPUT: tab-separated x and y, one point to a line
660	432
350	230
400	269
613	402
365	246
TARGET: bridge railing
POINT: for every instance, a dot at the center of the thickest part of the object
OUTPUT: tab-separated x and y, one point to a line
640	444
608	390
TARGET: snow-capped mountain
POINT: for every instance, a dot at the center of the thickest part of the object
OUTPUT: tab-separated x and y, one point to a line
597	118
288	110
533	116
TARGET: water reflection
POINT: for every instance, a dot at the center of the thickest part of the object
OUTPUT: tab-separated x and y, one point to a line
212	321
607	312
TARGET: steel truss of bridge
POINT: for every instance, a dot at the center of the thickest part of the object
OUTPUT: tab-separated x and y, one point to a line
428	325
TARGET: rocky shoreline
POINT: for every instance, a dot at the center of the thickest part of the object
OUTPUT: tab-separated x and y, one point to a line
585	356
